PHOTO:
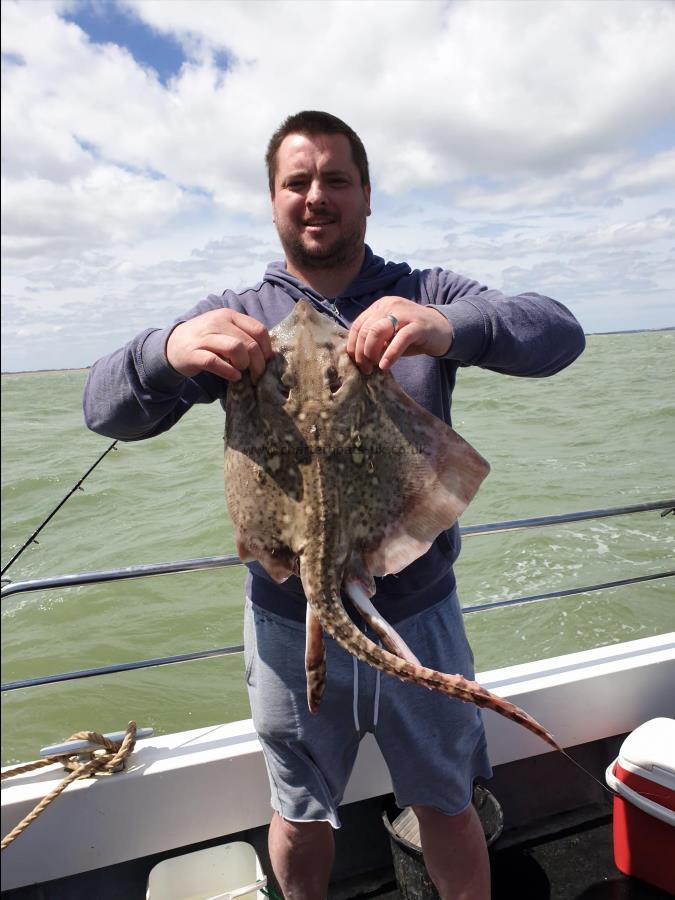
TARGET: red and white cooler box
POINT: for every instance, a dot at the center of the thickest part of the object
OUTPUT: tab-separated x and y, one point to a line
643	778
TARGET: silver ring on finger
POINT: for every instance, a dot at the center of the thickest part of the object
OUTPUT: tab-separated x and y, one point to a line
394	322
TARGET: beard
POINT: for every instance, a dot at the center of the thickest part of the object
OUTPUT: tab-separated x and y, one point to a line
345	249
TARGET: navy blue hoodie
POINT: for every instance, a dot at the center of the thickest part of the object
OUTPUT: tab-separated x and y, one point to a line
134	393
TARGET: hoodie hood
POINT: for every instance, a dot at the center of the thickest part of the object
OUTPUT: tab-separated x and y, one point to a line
375	277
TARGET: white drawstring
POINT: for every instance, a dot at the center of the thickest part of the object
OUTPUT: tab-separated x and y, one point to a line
356	694
355	702
376	707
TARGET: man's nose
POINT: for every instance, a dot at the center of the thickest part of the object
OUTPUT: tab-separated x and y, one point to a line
316	193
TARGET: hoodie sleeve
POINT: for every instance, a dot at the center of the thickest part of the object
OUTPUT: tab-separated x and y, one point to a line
134	393
526	334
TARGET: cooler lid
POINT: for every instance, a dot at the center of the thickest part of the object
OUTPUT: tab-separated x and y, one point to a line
649	751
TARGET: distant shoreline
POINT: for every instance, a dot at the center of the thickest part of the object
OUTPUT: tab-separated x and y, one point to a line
632	331
46	371
588	334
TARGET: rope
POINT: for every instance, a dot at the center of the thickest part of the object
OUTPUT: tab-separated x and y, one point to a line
105	759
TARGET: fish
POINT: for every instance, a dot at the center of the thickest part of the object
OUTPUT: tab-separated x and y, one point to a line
340	477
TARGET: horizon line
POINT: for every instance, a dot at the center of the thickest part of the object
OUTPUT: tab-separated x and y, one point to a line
84	368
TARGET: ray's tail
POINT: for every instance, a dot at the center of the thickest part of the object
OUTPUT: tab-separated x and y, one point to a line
339	626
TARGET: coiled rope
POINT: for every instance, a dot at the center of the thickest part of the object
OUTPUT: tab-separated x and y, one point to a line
106	758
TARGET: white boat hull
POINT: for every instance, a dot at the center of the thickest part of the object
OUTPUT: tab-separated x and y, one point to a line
193	786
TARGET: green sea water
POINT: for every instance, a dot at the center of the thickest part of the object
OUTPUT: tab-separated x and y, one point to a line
601	433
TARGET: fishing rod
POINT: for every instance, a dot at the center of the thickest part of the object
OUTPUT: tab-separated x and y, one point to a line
78	486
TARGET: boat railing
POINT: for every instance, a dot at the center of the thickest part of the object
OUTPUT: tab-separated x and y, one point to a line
665	507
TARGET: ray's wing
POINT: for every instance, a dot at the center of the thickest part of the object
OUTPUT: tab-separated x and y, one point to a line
410	478
263	481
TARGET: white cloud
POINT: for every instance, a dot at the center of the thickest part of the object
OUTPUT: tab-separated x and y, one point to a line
436	93
443	88
599	180
651	174
116	185
654	228
514	240
43	217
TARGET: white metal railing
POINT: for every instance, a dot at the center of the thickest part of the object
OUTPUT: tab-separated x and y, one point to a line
216	562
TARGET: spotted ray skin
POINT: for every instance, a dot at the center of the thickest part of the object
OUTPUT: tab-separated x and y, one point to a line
340	477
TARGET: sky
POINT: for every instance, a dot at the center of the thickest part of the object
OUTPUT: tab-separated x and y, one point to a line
529	145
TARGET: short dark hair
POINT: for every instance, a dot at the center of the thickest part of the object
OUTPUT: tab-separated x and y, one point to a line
312	121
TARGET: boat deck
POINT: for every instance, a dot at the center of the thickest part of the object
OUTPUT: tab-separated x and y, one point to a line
576	864
568	866
573	865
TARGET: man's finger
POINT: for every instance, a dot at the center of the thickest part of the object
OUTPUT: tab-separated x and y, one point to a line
232	347
256	330
256	361
216	365
240	350
363	322
406	337
376	335
353	335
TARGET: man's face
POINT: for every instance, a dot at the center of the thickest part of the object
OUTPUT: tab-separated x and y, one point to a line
319	204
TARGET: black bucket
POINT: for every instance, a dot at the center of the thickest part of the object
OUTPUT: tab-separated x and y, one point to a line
411	874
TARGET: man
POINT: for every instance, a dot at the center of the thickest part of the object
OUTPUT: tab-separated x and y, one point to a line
424	324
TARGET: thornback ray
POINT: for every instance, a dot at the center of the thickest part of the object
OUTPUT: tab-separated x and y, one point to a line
339	477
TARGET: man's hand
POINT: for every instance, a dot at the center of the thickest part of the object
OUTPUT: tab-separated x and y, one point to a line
222	342
377	340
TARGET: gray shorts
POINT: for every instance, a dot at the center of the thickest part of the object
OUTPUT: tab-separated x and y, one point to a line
434	745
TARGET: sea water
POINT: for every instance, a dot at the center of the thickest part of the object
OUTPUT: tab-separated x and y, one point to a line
599	434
